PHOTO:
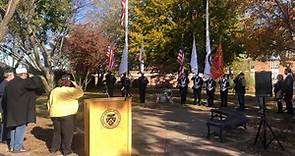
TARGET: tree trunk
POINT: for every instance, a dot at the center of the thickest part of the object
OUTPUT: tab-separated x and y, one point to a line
48	81
12	4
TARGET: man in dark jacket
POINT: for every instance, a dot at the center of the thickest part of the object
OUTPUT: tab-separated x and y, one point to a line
288	90
197	88
224	84
125	82
19	107
110	81
142	83
210	88
183	85
8	76
240	88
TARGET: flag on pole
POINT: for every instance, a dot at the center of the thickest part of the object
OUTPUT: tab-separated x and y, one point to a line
217	68
194	58
180	60
123	68
208	62
141	59
111	58
123	12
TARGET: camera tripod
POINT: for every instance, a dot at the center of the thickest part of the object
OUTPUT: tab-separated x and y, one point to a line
265	126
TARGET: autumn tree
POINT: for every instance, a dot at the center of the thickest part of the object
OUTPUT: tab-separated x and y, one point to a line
36	34
7	15
270	29
85	47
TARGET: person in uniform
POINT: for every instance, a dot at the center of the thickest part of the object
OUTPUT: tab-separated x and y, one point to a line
125	81
197	88
183	85
110	81
288	90
224	84
142	83
210	88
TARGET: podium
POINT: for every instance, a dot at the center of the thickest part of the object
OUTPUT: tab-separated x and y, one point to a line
107	127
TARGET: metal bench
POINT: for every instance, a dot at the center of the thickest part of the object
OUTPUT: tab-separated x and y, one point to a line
225	118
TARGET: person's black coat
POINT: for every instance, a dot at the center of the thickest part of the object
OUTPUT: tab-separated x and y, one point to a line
19	101
142	82
288	85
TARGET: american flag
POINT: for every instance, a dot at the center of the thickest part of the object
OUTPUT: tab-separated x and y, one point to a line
111	57
123	5
180	60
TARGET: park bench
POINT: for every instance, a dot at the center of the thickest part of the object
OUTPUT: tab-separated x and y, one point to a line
225	118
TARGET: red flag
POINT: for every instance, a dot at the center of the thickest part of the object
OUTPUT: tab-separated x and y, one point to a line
217	68
180	60
123	7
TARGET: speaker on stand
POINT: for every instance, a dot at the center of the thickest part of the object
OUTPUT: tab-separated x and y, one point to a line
263	88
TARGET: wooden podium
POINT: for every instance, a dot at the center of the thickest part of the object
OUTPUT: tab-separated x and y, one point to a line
107	127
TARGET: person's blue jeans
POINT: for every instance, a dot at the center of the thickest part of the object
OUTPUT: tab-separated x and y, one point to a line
17	136
241	99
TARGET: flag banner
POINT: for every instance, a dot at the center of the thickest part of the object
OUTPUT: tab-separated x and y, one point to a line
180	60
123	12
194	58
217	68
208	59
111	58
141	59
123	68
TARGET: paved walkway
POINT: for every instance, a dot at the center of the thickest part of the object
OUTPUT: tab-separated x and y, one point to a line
161	130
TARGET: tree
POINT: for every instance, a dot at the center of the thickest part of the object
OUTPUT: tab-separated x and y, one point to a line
86	49
270	29
36	34
7	15
165	26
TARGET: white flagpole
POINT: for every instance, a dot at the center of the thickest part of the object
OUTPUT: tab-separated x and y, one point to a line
126	33
141	59
207	70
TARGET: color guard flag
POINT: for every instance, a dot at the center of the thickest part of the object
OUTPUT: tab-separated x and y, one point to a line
217	68
123	12
208	61
141	59
194	58
180	60
123	68
111	58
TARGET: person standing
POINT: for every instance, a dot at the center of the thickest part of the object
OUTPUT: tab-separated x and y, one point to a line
62	106
197	88
279	93
240	88
126	82
224	84
19	102
110	81
288	90
8	76
183	85
142	83
210	88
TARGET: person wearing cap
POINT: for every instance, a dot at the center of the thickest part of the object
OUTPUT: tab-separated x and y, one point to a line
125	82
62	106
224	84
19	107
197	88
210	90
183	86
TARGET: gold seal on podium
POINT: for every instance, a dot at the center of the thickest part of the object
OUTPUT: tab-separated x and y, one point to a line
110	118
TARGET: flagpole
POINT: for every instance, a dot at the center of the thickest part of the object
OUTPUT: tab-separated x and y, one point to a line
208	44
126	33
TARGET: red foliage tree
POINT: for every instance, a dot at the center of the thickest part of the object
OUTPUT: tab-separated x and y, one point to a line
85	47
